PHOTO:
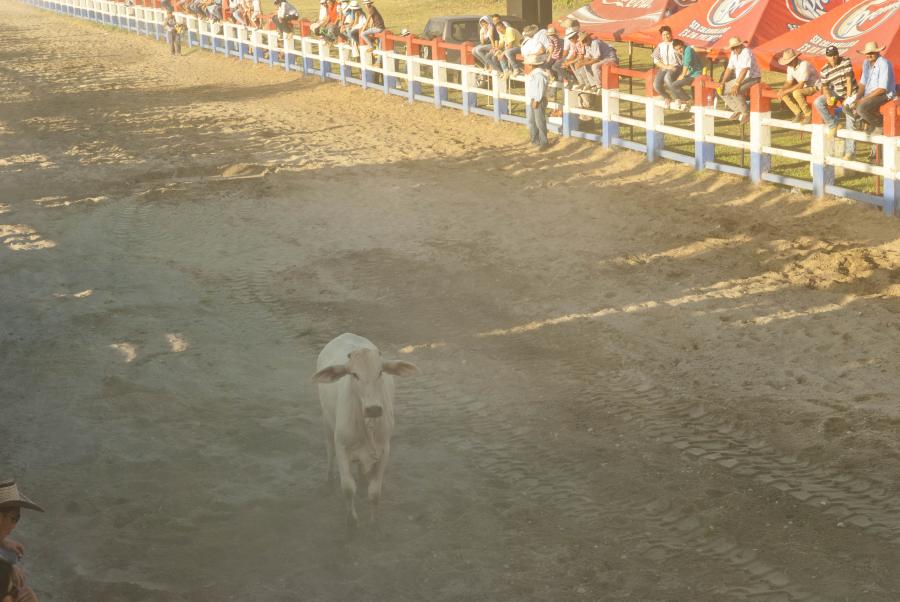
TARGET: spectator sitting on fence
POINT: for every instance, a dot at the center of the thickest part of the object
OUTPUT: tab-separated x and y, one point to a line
508	47
196	7
374	24
173	32
330	29
322	20
838	85
741	74
256	14
536	83
11	552
799	83
354	21
556	60
593	54
535	41
879	86
284	17
690	69
665	59
487	40
573	51
214	10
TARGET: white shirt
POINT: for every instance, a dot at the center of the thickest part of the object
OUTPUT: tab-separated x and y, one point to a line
536	44
665	53
804	73
743	60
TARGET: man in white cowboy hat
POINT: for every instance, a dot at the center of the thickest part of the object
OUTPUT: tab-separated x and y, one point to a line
12	501
570	53
596	53
354	23
878	84
536	82
741	74
799	83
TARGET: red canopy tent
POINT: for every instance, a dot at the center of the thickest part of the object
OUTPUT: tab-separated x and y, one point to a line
610	19
709	23
848	27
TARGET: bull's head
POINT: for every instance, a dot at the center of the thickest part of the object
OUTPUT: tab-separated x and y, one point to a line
365	369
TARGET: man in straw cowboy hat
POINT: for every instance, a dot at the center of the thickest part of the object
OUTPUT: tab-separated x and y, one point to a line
745	71
536	82
12	501
799	83
878	86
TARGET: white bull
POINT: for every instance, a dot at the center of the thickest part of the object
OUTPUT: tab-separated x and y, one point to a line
356	389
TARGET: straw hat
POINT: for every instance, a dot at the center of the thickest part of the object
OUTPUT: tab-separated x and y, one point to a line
871	47
354	5
571	32
735	41
787	57
11	497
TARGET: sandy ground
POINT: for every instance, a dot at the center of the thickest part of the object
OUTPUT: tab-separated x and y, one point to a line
639	382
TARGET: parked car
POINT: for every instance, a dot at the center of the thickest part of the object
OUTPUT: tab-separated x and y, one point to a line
456	30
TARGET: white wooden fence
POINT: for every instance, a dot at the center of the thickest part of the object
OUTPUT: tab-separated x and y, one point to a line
451	85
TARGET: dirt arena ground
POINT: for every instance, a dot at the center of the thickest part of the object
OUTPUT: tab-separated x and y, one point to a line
638	382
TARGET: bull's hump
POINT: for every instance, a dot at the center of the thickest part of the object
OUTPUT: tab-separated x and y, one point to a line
336	351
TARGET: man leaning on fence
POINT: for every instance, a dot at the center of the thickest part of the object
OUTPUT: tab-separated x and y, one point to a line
799	83
741	74
536	82
879	86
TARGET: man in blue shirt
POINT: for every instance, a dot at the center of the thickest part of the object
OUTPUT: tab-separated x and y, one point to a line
536	81
878	86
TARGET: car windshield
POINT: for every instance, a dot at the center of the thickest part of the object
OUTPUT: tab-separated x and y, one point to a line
464	31
434	29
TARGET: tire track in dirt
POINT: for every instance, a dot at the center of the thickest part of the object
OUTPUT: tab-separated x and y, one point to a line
516	456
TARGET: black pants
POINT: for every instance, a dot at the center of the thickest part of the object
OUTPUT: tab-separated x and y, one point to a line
284	25
870	111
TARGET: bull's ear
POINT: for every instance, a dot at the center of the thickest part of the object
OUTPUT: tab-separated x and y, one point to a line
399	368
331	374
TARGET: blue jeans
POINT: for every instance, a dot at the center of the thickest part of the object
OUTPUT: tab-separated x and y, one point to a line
509	56
676	88
831	121
482	52
174	40
663	80
537	123
370	32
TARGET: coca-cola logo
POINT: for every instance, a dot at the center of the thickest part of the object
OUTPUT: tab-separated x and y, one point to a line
726	12
807	10
864	18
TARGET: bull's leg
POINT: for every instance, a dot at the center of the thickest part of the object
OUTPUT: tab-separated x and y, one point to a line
329	451
376	480
348	484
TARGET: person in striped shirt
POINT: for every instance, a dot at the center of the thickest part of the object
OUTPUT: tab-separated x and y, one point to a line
837	84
